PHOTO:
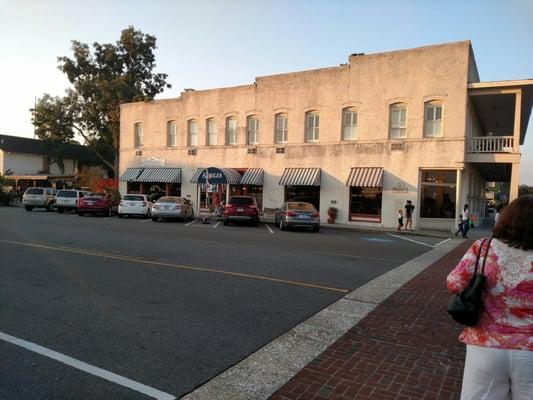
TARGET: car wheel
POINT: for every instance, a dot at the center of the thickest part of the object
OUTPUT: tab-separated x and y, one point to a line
155	219
282	225
60	210
255	222
28	208
316	228
226	222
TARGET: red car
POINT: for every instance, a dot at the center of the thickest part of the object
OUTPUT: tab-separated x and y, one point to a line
241	209
97	203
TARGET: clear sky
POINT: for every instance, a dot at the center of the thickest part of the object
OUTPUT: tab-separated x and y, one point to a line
205	44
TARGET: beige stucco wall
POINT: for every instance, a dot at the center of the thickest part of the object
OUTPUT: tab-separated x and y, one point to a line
369	83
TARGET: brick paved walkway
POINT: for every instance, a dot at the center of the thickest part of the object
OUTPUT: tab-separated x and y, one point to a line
405	349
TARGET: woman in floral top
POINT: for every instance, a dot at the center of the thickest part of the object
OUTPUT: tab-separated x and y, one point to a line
499	352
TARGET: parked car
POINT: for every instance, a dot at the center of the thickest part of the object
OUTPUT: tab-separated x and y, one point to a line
97	203
135	204
68	199
298	214
39	197
241	209
171	207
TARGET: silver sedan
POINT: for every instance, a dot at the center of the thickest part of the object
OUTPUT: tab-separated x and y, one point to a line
170	207
298	214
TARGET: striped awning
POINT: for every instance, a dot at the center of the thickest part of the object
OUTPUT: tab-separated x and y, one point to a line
252	176
130	174
365	177
160	175
300	177
228	176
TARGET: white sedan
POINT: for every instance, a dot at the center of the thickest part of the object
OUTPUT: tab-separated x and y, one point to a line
135	204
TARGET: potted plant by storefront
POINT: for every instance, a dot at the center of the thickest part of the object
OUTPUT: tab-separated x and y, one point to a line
332	214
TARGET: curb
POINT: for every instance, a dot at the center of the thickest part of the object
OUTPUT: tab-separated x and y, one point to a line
262	373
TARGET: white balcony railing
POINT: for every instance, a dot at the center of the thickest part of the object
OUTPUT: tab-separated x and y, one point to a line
489	144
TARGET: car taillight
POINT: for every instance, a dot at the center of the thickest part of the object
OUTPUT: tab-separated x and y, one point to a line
290	214
121	203
316	215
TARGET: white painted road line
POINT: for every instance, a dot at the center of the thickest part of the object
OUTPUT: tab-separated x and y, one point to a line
269	229
99	372
410	240
444	241
145	220
217	224
190	223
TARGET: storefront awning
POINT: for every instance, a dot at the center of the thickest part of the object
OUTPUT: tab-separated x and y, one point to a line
217	176
300	177
252	176
130	174
365	177
160	175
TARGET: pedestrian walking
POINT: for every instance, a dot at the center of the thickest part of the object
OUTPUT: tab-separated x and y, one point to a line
400	220
466	221
459	225
409	208
499	348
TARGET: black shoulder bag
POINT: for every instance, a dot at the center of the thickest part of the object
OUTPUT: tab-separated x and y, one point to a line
465	307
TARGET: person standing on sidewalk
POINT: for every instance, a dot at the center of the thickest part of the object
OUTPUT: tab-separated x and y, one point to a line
466	221
499	349
409	208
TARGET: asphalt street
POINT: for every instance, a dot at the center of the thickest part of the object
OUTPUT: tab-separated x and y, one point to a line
169	305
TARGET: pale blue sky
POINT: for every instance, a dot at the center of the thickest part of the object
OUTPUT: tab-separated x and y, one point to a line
204	44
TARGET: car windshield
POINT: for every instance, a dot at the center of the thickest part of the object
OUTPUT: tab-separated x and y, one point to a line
300	207
133	198
35	191
169	200
66	193
241	201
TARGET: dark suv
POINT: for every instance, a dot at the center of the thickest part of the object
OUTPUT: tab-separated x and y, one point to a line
241	209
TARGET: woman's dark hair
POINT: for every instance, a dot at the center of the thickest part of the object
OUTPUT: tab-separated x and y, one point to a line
515	225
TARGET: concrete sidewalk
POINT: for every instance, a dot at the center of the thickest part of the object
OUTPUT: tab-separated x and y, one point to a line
405	349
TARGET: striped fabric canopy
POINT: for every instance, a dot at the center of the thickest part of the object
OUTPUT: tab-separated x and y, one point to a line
300	177
365	177
217	176
252	176
130	174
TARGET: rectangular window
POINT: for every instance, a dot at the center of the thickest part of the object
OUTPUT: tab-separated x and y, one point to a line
211	132
398	121
365	204
349	125
138	135
252	126
433	120
171	134
232	131
438	190
281	128
192	129
312	127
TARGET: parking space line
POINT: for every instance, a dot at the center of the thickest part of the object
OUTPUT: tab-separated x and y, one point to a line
444	241
177	266
217	224
410	240
145	220
190	223
82	366
269	229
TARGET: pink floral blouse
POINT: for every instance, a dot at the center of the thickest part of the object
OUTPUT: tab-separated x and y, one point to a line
506	320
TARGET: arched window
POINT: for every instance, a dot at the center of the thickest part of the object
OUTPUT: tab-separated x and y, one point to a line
349	124
138	137
211	129
281	128
231	130
312	122
192	133
398	121
252	129
172	140
432	118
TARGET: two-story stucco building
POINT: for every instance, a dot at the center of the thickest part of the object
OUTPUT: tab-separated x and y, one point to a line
362	137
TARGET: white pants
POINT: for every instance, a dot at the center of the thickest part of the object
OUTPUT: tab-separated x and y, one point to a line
497	374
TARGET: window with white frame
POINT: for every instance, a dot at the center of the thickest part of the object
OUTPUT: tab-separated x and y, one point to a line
231	130
172	140
349	124
281	128
192	132
138	136
252	129
211	129
398	121
312	122
432	119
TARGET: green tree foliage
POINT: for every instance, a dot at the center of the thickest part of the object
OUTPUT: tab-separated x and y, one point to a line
102	78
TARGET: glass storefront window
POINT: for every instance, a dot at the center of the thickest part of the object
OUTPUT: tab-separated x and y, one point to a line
365	204
309	194
438	190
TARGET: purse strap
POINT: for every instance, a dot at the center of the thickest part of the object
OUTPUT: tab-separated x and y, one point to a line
479	255
486	256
